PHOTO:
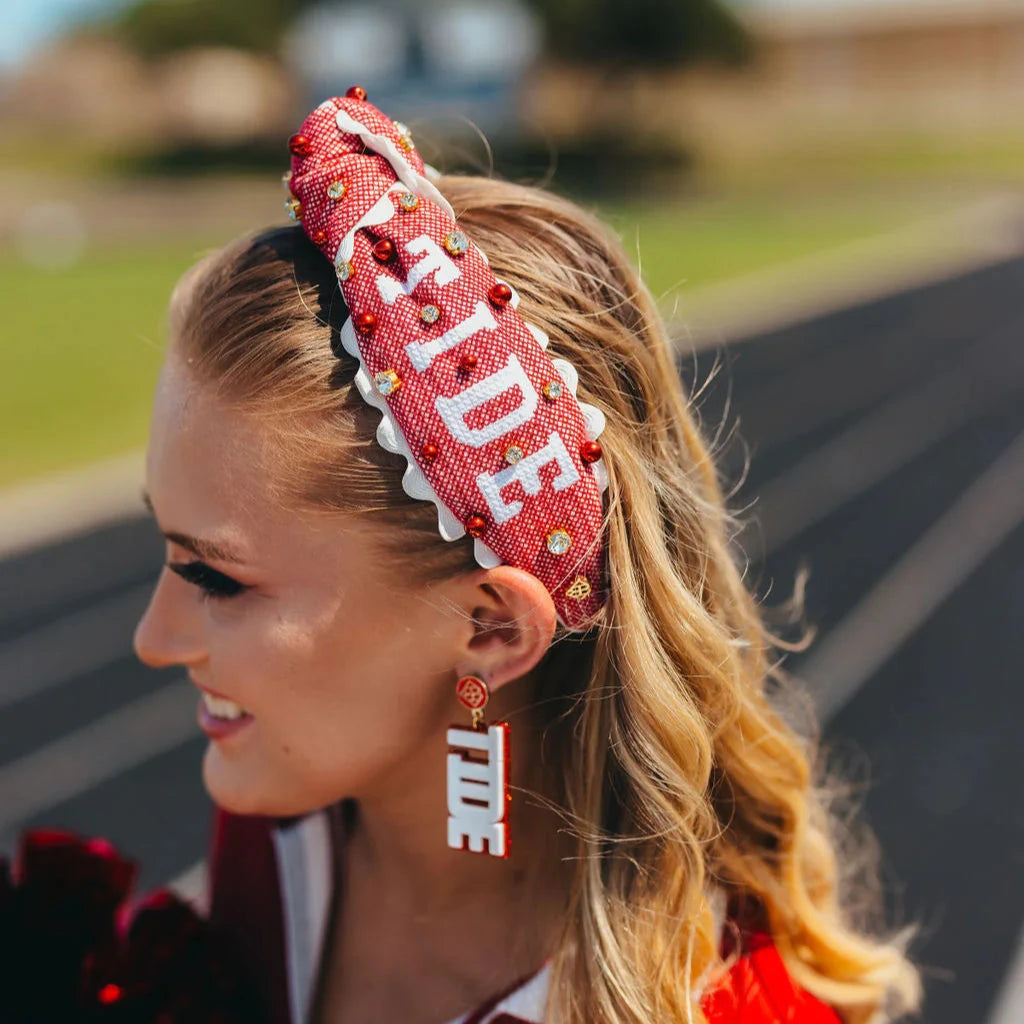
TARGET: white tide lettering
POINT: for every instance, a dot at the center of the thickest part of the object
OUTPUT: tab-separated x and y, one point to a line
421	353
526	472
390	289
455	409
435	261
476	791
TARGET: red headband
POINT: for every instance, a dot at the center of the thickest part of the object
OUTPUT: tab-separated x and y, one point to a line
488	422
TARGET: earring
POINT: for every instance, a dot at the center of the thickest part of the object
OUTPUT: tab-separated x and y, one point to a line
478	793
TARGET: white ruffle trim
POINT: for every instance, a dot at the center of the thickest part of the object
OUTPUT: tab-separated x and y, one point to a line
389	435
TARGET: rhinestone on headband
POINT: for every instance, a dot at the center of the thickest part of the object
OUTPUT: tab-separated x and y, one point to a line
456	242
404	136
559	541
387	382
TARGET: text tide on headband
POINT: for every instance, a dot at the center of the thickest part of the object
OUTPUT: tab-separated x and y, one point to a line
489	424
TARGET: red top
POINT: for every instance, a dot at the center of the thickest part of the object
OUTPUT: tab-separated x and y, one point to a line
246	897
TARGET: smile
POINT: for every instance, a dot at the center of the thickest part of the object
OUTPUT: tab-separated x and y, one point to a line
222	708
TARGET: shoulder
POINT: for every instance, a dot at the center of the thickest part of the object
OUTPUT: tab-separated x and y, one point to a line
757	989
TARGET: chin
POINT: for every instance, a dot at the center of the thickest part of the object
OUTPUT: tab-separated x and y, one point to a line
238	791
234	790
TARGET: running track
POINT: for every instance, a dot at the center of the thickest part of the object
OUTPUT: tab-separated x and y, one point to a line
886	451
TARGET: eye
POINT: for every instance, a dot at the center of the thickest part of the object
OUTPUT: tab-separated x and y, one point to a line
211	582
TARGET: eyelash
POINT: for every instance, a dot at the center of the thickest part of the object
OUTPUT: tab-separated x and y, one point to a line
211	583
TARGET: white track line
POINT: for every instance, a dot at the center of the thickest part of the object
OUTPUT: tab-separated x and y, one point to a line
1008	1007
70	503
906	596
871	449
101	750
73	646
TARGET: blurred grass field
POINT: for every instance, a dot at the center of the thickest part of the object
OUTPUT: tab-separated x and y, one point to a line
84	343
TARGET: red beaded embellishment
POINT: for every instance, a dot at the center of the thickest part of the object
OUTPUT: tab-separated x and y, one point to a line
590	451
365	323
319	237
299	145
468	362
356	92
429	451
475	525
500	294
383	250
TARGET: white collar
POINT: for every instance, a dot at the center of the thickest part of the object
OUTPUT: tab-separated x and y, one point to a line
304	855
303	849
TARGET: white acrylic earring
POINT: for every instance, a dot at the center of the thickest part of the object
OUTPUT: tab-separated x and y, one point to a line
478	795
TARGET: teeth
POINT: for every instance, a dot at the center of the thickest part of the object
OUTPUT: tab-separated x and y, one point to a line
221	708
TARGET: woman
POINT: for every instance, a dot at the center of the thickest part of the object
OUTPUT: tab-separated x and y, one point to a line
441	528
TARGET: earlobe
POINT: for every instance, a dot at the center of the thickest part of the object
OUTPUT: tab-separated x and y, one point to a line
514	622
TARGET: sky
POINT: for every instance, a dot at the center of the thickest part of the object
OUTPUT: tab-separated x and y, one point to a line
25	24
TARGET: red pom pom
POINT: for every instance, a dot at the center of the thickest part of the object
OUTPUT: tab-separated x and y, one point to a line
299	145
429	451
356	92
365	323
468	362
500	294
590	451
384	250
110	993
475	525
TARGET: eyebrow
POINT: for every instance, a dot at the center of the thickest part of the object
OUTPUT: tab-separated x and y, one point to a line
207	549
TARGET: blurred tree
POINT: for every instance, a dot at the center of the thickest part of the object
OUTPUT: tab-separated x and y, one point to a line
155	27
643	32
623	32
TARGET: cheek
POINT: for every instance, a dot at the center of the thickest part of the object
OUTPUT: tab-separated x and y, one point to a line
339	701
356	697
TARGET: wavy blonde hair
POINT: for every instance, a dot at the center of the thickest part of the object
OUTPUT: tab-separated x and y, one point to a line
681	778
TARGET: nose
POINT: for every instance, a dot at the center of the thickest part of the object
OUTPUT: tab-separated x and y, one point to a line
169	632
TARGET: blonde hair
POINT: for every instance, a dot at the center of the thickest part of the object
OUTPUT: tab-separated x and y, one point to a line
681	778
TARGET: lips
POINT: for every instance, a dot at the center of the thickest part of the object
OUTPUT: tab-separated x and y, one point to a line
221	718
218	714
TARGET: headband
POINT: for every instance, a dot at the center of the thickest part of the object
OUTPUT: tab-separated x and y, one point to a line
488	422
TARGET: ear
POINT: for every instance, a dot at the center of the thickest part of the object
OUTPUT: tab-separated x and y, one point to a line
513	623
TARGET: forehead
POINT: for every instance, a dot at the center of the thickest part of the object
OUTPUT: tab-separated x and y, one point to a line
200	451
209	475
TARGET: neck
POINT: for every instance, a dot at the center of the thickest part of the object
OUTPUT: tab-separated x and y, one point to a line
464	925
400	832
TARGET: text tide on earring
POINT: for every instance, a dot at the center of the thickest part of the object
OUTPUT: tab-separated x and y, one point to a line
478	777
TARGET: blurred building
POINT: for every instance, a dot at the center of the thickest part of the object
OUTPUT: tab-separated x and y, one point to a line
91	86
896	70
872	69
948	58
